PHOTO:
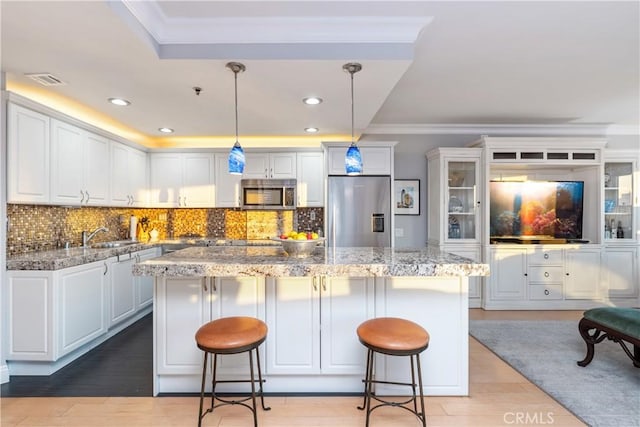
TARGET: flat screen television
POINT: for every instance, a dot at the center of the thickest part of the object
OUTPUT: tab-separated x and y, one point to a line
536	208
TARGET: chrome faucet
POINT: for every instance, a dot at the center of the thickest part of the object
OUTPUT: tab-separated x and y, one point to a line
86	237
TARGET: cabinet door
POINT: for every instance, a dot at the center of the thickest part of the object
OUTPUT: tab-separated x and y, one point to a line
227	185
293	318
30	315
144	284
67	163
165	179
182	306
137	170
310	179
28	156
475	283
620	266
198	181
346	302
508	280
96	170
582	274
81	299
237	296
256	166
376	160
619	196
119	175
282	165
462	201
123	291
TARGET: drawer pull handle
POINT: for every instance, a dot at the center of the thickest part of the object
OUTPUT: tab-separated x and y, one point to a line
546	256
546	274
546	291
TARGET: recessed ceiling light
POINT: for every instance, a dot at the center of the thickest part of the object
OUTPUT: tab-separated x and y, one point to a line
119	101
312	100
165	130
311	130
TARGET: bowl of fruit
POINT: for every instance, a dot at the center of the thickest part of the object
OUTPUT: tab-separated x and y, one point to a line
299	244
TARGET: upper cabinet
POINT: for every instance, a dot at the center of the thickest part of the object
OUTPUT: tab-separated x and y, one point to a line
310	179
227	194
454	195
377	158
28	156
182	180
79	166
620	197
128	176
277	165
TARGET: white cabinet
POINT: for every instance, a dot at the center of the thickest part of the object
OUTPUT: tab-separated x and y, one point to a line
277	165
621	196
182	180
582	273
128	176
79	166
507	279
28	156
620	272
375	160
227	191
473	252
144	284
310	179
52	313
183	305
312	322
122	290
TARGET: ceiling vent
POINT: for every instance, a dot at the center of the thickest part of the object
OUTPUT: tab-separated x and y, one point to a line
46	79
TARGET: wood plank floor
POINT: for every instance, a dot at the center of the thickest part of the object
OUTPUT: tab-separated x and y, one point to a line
498	396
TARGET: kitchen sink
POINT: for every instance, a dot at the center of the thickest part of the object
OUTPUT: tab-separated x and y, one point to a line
113	244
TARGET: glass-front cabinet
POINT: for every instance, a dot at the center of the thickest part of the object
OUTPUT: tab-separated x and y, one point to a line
462	201
453	192
619	200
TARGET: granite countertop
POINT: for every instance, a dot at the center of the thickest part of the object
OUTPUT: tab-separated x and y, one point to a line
273	262
65	258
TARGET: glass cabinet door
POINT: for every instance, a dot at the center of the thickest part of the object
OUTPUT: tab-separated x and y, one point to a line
462	212
618	200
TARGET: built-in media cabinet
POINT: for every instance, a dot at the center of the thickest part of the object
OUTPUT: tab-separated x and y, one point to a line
556	219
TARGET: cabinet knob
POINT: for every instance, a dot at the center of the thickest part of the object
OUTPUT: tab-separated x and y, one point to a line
546	291
525	274
546	274
546	256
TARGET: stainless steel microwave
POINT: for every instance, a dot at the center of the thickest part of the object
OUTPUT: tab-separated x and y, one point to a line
268	194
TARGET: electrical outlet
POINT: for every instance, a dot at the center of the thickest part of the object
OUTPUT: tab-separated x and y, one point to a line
312	215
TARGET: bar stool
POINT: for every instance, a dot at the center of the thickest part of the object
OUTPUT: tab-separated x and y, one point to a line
231	335
393	337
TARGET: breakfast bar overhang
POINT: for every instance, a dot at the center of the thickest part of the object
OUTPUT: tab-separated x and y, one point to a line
312	307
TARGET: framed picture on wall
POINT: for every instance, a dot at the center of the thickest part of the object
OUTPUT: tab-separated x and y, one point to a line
407	196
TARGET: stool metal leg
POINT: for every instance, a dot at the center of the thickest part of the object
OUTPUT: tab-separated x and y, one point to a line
264	408
423	418
367	378
253	390
204	375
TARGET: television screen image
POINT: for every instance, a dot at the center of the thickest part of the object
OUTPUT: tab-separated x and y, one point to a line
536	208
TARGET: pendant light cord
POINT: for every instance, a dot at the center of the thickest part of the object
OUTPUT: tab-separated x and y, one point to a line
235	77
352	109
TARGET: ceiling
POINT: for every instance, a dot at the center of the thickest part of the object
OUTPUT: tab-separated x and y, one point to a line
427	66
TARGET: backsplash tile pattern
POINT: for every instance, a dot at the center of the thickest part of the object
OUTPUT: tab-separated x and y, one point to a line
36	228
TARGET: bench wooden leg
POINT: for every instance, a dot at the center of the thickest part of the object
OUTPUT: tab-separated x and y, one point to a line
590	339
600	333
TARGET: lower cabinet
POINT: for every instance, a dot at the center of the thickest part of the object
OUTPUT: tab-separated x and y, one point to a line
473	252
620	271
508	274
582	270
185	304
52	313
144	284
312	323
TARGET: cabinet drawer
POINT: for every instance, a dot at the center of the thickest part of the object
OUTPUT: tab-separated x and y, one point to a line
545	274
541	292
545	257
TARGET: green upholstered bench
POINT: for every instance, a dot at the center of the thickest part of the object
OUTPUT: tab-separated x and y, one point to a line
615	323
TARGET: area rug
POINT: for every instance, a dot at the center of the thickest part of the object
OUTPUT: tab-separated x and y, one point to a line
604	393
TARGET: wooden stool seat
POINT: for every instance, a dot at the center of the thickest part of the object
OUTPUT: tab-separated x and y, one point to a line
231	335
226	336
393	336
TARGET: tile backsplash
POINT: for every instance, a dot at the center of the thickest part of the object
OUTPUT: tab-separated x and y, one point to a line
37	228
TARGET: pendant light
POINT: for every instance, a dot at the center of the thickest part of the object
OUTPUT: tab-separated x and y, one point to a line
236	155
353	159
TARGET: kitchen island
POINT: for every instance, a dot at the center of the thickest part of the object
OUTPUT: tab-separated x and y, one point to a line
312	307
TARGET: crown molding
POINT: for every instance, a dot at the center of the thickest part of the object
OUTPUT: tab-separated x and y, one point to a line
505	129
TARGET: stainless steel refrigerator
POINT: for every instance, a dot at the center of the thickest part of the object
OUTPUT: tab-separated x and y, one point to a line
358	211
